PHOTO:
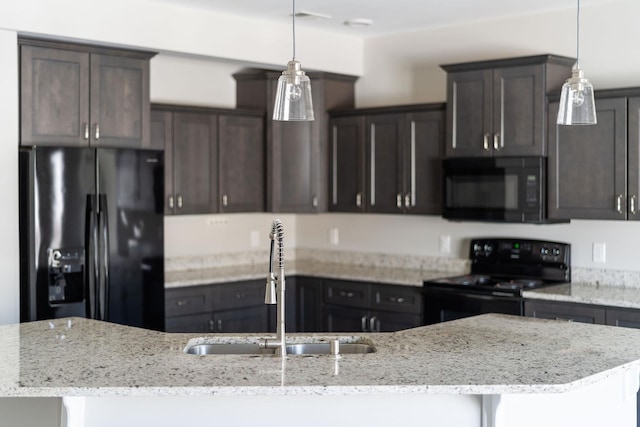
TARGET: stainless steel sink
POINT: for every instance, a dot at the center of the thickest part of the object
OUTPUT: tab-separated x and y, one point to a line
325	348
292	349
236	348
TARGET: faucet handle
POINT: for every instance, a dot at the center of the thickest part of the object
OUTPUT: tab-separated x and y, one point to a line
270	290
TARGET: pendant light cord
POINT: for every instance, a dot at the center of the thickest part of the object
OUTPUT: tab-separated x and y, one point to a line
578	36
293	19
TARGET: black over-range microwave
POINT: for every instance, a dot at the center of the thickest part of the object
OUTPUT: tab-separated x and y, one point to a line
502	189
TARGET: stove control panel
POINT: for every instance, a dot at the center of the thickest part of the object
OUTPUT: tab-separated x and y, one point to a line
519	251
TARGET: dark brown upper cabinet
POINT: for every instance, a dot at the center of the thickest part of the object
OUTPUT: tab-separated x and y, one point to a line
498	108
296	152
214	158
387	160
594	169
78	95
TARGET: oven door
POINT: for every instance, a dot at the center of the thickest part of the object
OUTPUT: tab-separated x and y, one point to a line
507	189
441	305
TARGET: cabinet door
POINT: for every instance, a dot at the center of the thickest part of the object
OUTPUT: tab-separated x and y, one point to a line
120	109
162	139
386	321
587	165
633	153
384	160
243	320
195	323
195	161
309	304
54	97
347	164
423	165
295	159
190	300
397	298
622	317
469	118
564	311
345	319
518	111
241	167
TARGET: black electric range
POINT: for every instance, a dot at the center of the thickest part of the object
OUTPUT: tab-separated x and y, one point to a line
501	269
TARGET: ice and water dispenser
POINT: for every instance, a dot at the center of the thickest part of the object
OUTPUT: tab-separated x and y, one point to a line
66	276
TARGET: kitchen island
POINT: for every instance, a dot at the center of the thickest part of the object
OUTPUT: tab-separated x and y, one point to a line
489	370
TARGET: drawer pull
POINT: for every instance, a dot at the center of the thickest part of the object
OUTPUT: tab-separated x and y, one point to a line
363	320
241	296
398	300
211	326
183	302
345	294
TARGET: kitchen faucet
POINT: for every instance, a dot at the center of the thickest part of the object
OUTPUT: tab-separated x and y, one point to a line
277	234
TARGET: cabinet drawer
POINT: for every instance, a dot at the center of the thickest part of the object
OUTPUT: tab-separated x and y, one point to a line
565	311
352	294
622	317
397	298
246	320
179	302
239	294
193	323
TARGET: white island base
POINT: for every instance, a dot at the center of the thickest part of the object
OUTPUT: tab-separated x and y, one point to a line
610	402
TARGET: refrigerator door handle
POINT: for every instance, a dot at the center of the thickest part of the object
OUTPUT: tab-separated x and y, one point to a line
91	256
105	258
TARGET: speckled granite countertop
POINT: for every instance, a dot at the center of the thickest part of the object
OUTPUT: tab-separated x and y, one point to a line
488	354
586	293
328	270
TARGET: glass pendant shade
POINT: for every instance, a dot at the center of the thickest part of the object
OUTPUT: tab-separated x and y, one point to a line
293	96
577	106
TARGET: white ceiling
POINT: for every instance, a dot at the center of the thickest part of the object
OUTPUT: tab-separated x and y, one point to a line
388	16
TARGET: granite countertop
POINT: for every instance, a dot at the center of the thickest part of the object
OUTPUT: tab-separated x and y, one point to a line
488	354
587	293
329	270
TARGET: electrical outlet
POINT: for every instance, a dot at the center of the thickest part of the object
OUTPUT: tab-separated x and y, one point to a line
216	220
445	244
334	236
600	253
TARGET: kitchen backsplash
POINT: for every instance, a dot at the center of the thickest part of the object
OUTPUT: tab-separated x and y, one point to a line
595	277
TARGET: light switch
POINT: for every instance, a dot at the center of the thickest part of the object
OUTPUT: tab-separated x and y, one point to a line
600	252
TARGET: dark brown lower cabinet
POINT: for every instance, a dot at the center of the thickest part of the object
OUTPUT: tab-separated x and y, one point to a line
228	307
351	306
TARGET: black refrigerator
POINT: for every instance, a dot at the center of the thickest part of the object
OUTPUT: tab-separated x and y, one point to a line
91	234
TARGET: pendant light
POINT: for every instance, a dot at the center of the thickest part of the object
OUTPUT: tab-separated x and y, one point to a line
577	106
293	96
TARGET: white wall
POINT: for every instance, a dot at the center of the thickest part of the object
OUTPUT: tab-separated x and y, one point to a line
9	290
405	68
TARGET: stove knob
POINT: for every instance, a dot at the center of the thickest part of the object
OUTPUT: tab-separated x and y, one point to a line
556	251
477	247
544	251
488	248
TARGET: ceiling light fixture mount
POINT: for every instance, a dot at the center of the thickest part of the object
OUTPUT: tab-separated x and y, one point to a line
577	105
293	96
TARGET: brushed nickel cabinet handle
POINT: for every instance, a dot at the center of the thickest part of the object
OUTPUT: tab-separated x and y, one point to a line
632	205
346	294
86	131
496	141
408	203
372	324
359	200
363	321
171	202
182	302
225	200
220	325
619	203
211	326
97	131
314	201
399	200
179	202
485	144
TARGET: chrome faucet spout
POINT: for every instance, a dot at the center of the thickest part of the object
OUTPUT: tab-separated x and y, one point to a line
276	286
